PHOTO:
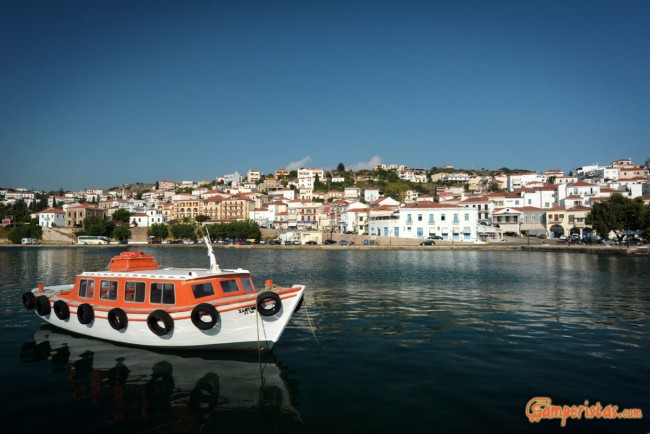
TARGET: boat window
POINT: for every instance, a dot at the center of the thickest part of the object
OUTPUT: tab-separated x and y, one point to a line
248	285
202	289
108	290
134	291
86	288
229	286
162	293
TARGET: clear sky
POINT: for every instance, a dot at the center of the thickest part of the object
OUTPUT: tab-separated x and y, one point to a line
98	93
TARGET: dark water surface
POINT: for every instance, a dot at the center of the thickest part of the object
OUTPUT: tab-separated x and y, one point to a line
410	342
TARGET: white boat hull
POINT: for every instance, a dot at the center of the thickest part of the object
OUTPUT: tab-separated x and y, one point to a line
239	327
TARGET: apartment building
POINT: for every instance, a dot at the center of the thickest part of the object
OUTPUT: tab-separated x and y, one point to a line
75	215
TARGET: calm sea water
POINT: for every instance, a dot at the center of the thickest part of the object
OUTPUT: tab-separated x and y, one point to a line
408	341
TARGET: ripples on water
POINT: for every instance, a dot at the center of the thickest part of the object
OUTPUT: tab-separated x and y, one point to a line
411	340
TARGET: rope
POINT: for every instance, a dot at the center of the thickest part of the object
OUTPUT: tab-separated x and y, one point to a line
311	326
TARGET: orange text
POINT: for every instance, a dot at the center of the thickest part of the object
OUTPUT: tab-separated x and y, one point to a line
540	408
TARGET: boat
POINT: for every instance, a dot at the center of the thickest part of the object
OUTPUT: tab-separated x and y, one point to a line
136	302
181	391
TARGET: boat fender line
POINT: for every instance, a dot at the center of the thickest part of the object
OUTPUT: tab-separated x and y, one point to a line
266	297
61	310
201	312
29	300
42	304
117	318
160	322
85	313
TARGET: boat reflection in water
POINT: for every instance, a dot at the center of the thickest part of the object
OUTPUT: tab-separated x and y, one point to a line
182	391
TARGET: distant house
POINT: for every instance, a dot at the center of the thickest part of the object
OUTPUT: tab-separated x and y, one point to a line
50	218
75	215
147	218
451	222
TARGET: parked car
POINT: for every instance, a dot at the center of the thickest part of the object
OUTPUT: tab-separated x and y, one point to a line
296	243
174	241
189	242
122	243
329	242
608	242
344	243
434	237
428	243
275	242
311	243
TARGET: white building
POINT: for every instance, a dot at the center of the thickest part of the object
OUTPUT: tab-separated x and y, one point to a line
254	176
50	218
370	195
519	180
147	218
451	222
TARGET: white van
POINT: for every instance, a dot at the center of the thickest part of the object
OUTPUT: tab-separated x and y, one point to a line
29	241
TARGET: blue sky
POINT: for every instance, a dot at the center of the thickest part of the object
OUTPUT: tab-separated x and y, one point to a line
99	93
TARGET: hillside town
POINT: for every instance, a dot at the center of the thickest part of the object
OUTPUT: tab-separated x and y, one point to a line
390	201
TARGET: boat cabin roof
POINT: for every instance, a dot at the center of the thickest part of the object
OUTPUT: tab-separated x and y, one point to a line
167	273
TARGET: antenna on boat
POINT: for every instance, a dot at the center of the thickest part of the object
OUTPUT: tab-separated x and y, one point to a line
214	267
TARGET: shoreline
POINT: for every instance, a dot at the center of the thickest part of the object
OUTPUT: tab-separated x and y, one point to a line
608	250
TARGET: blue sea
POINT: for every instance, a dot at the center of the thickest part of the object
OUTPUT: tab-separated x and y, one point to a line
421	341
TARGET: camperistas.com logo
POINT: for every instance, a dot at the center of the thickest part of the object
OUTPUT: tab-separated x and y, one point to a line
540	408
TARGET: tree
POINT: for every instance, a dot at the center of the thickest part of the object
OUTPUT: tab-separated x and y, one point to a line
122	215
96	226
617	214
121	233
181	230
340	167
158	230
201	218
31	230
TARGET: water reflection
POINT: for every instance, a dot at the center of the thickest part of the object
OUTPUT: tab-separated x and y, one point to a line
142	388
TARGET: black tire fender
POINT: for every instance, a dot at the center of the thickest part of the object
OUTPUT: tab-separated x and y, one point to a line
266	297
85	313
29	300
61	310
117	318
43	305
160	322
299	305
202	310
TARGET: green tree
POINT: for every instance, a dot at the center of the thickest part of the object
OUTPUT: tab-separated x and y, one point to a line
121	232
158	230
122	215
340	167
618	214
183	231
96	226
31	230
201	218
